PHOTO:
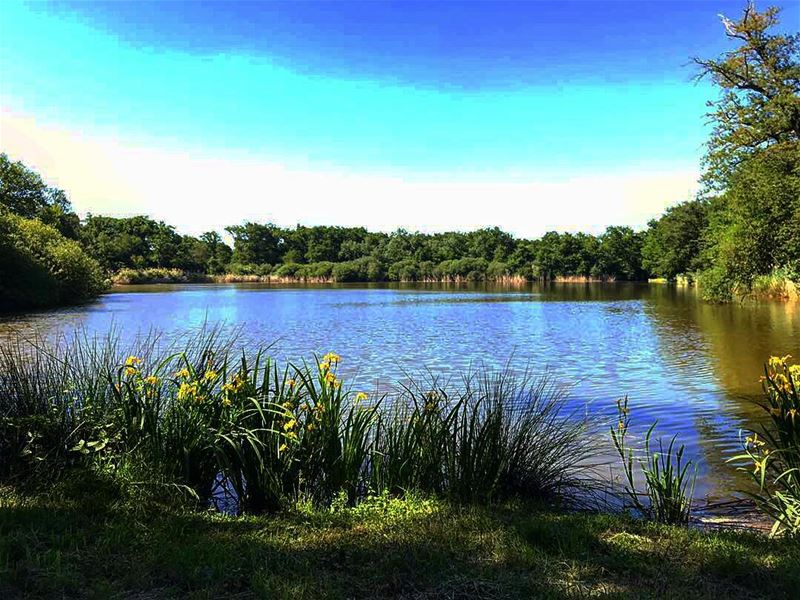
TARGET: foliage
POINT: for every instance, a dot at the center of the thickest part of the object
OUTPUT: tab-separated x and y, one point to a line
775	456
673	243
198	418
755	226
24	193
668	483
491	437
40	267
759	82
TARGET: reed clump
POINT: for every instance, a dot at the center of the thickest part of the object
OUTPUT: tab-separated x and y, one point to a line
234	427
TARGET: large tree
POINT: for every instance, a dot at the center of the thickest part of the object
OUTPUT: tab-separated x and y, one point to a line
24	193
759	102
673	242
753	159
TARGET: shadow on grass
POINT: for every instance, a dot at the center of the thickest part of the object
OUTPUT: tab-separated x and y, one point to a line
88	551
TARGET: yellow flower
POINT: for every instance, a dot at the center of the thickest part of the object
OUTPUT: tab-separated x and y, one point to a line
151	380
330	378
794	371
283	448
132	361
324	366
226	401
290	424
361	396
310	427
332	358
129	371
187	390
183	373
290	383
228	387
288	405
210	375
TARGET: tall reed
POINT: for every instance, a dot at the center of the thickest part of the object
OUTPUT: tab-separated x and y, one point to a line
204	417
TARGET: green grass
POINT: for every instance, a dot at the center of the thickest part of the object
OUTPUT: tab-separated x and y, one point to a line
73	546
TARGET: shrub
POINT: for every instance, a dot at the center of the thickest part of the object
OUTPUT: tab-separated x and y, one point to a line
40	267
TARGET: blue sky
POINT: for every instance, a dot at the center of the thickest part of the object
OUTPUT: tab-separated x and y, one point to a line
372	92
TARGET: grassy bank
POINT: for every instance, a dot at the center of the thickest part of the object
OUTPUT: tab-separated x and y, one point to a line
88	546
203	470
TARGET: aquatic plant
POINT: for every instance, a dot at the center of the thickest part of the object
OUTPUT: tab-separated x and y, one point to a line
213	422
773	457
668	481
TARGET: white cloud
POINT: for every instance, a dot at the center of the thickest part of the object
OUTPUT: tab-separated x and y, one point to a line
200	190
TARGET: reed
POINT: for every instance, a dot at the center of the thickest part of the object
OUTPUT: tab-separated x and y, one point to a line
214	421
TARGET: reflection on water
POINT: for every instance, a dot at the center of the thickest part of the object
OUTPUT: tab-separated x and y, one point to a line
693	366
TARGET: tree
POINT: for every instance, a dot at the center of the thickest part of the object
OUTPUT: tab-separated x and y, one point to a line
755	226
674	242
759	103
40	267
24	193
621	253
753	158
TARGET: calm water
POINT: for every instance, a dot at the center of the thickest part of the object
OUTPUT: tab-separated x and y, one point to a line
691	365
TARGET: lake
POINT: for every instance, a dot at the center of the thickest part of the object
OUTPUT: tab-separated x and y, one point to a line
693	366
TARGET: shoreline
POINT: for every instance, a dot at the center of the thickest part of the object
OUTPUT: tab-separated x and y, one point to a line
783	291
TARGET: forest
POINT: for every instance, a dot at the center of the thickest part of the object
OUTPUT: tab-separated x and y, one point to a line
740	235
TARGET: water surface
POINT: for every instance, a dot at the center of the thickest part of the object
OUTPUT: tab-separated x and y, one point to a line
691	365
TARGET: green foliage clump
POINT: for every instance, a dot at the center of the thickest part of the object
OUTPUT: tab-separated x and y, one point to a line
775	456
201	420
40	267
668	483
674	242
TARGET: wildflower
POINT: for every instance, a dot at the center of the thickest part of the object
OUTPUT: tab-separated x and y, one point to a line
361	396
187	390
794	371
283	448
332	358
621	425
151	380
130	371
330	377
288	405
210	375
290	424
228	388
311	427
304	407
291	383
226	401
324	367
132	361
183	373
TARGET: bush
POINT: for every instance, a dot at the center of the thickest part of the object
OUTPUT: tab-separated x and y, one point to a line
40	267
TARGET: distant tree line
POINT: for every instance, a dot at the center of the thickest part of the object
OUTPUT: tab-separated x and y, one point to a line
745	225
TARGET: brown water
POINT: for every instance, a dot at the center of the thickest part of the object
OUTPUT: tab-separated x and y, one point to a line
691	365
